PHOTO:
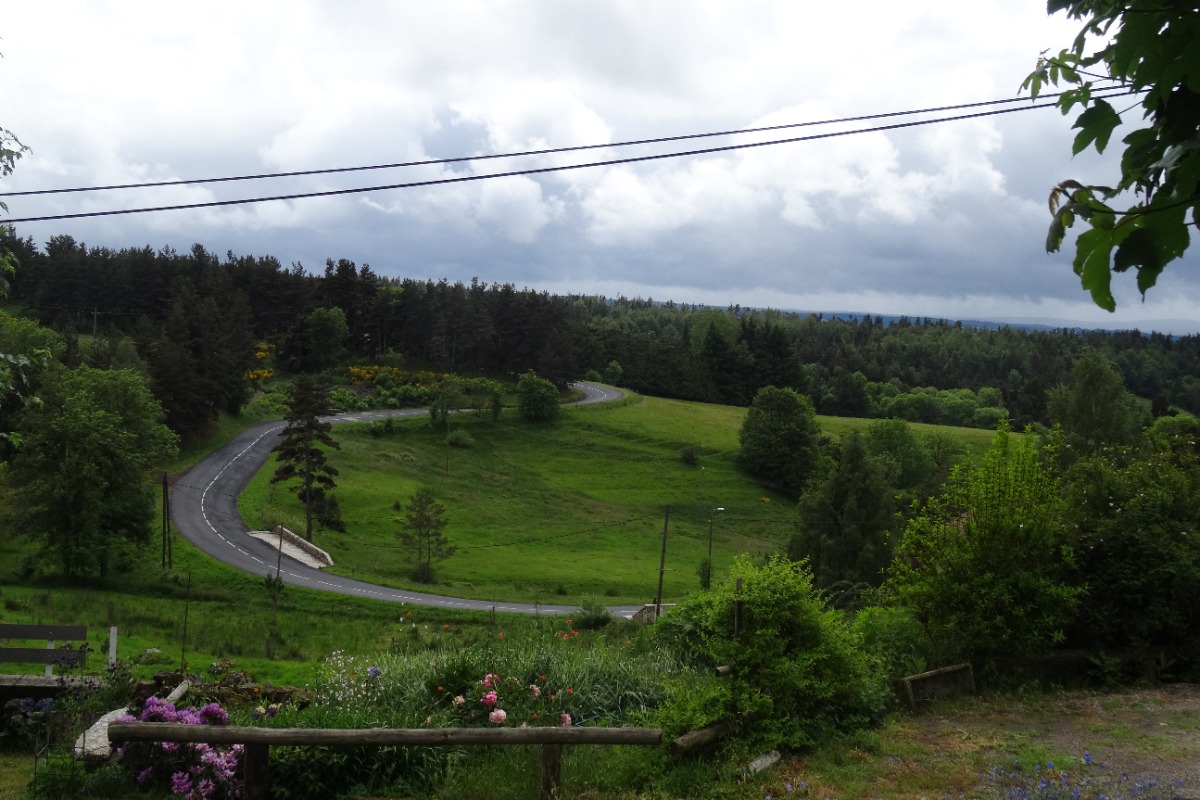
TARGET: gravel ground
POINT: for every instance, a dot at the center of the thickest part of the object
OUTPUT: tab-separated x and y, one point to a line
1151	732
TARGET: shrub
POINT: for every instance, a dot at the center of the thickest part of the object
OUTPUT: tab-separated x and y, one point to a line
896	638
986	566
461	439
799	674
592	615
344	399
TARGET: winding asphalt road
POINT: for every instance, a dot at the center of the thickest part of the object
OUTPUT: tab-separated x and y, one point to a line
204	510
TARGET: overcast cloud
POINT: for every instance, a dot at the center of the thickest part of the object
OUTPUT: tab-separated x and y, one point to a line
939	220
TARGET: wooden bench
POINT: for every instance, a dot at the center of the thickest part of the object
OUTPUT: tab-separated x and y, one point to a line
49	654
258	741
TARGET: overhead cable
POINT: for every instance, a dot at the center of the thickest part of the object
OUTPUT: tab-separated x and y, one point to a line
544	170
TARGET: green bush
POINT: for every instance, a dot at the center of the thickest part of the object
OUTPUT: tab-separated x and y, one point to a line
987	566
345	400
461	439
798	672
1137	535
896	638
592	615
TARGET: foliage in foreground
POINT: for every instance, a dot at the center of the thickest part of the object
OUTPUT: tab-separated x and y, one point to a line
799	673
986	567
1148	48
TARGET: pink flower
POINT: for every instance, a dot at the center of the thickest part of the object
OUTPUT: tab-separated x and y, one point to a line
566	720
460	701
537	691
487	680
498	716
489	699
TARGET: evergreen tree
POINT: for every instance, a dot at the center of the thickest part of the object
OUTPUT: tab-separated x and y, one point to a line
421	531
301	454
844	519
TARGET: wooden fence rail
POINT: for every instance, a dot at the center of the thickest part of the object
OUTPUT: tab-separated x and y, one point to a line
258	741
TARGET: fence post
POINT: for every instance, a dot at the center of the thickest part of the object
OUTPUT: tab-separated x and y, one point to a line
49	664
551	770
112	646
256	760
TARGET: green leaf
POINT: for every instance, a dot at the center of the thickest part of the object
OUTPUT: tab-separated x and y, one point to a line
1091	264
1095	124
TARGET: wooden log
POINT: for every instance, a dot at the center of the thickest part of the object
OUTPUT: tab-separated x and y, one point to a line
379	737
551	771
697	739
763	762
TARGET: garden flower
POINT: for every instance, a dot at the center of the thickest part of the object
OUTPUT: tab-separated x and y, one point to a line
537	691
487	680
460	701
489	699
498	716
374	672
181	783
259	713
566	720
145	774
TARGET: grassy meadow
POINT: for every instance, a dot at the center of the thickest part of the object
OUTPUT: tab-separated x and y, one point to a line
551	513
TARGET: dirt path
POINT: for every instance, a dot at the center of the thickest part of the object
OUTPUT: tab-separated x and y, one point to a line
1149	733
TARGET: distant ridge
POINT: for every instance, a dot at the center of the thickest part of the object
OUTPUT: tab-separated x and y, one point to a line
1173	327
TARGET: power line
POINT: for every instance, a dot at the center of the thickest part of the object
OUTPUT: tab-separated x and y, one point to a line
533	171
518	154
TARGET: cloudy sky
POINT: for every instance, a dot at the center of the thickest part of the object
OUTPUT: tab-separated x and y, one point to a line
944	219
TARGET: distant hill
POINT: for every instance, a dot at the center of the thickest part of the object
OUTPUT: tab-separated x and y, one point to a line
1176	327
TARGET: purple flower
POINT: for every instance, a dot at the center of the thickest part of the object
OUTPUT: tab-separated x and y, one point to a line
181	783
374	672
144	775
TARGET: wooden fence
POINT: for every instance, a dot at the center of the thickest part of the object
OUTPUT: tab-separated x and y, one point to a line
258	741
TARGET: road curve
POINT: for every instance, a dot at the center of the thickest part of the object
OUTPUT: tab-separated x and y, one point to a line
204	510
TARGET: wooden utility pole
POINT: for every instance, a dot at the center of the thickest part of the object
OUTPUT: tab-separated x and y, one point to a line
164	519
662	564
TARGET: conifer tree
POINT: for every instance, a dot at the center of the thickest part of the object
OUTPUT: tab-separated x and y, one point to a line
301	454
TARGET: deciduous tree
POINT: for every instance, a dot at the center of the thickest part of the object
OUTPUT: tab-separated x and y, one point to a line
1141	221
779	439
81	473
537	399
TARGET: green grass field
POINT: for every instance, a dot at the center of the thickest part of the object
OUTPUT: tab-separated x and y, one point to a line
553	513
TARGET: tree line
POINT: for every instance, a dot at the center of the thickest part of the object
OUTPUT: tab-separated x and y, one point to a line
193	319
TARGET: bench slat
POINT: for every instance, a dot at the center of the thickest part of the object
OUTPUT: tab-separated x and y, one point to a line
66	633
40	655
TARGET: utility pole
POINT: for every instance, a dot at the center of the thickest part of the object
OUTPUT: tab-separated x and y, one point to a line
662	564
164	520
711	514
